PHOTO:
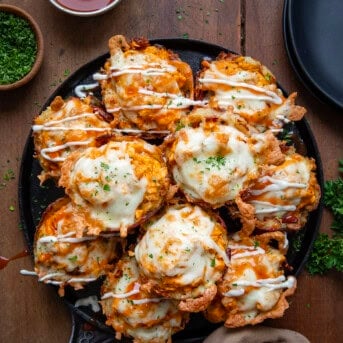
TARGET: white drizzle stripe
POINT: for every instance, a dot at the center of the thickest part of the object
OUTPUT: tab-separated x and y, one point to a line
272	97
27	272
184	101
80	279
65	239
271	208
147	300
234	293
134	291
276	283
49	276
79	90
272	283
55	283
144	72
56	148
256	251
136	66
36	128
100	77
276	185
53	122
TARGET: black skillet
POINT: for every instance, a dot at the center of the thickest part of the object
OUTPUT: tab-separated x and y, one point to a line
33	199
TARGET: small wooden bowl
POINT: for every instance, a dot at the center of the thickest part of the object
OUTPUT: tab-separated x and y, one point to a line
40	47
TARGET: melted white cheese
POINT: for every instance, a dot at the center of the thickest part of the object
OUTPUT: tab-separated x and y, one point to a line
177	244
200	165
109	184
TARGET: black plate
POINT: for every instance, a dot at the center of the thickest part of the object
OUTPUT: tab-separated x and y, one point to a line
315	30
33	198
292	58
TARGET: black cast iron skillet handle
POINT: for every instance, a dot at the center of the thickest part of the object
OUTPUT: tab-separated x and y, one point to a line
83	332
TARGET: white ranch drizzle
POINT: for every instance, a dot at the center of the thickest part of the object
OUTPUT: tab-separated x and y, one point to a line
146	300
136	66
64	120
63	128
27	272
89	301
256	251
113	110
182	102
53	282
80	279
271	96
144	72
66	239
100	77
50	276
271	208
45	151
271	283
79	90
134	291
276	185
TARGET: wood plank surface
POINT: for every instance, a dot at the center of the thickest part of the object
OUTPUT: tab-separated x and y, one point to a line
32	312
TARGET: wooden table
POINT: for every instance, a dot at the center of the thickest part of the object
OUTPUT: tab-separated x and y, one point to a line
32	312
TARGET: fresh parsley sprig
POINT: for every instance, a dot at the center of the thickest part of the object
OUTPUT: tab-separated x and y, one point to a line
327	252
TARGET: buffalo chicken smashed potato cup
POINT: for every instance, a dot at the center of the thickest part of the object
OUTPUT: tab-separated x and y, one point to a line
254	286
182	255
217	153
66	126
116	185
62	258
213	161
132	311
145	87
250	89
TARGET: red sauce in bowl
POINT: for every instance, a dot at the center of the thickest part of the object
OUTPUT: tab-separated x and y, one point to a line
84	5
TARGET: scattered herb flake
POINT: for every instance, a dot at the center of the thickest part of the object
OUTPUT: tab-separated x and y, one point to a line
106	188
72	258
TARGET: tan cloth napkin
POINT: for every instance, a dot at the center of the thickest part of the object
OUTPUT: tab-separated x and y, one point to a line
255	334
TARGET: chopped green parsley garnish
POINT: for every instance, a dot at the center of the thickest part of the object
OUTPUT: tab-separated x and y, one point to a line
216	161
72	258
107	188
18	48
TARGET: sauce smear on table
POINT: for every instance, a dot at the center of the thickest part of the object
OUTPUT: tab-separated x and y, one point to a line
4	260
84	5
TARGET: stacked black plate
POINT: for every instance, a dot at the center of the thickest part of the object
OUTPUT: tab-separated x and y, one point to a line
313	35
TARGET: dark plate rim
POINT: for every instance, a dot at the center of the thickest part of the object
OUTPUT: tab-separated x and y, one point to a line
301	62
292	59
